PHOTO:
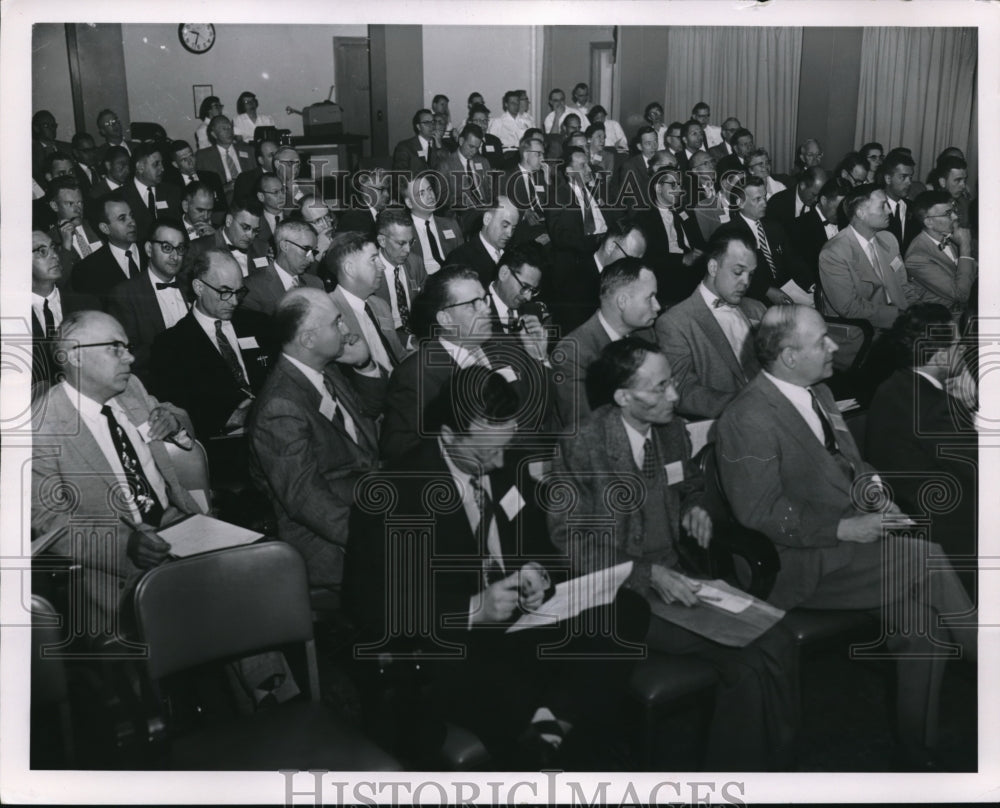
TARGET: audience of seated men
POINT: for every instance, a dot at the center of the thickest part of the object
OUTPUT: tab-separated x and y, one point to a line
704	199
708	338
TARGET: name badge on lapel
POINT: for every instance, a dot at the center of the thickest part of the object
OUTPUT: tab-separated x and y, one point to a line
247	343
161	204
327	408
448	233
896	263
260	261
675	472
512	503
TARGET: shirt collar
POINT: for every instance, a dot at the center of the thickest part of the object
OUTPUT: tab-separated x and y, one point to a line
612	334
314	376
208	323
937	384
353	300
464	357
52	297
142	188
88	407
490	249
793	392
709	296
502	308
862	240
751	222
284	274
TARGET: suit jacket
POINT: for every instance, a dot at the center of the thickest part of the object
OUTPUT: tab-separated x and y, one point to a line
600	457
706	372
443	226
165	192
359	220
209	159
565	222
531	225
406	156
99	272
717	153
781	209
711	218
244	184
811	235
414	276
133	304
66	453
458	187
674	280
786	263
729	163
905	230
492	150
780	480
851	287
308	464
473	253
257	258
266	288
99	188
632	177
382	313
186	367
932	277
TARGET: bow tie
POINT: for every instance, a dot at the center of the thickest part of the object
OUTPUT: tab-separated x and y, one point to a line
944	242
719	303
234	248
167	285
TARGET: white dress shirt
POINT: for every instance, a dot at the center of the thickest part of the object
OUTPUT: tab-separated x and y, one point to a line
614	135
208	326
171	301
667	216
316	380
464	357
244	128
288	280
122	259
613	335
731	320
801	399
503	312
508	129
637	442
368	331
430	265
144	190
239	255
55	306
231	151
600	226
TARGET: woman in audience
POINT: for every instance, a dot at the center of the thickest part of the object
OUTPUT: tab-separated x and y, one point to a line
209	108
614	134
873	154
248	118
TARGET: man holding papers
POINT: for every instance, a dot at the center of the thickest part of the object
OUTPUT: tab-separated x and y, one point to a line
631	463
100	467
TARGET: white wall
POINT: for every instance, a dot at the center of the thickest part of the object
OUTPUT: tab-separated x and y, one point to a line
282	64
460	59
50	86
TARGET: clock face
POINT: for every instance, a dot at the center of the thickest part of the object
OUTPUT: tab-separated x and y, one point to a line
196	37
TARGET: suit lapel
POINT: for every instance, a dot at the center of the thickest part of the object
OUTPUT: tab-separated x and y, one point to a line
69	421
706	321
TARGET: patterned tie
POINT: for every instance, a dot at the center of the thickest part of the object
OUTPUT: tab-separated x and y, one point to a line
82	246
133	268
151	202
829	438
477	199
589	225
229	356
339	413
142	492
231	165
401	304
648	459
766	249
381	336
435	252
50	320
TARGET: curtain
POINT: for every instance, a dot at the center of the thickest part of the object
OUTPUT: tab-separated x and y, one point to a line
918	89
748	73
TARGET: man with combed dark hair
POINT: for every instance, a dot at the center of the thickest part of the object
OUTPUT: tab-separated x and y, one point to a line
634	440
149	196
517	283
417	153
507	127
74	236
436	235
238	235
951	174
742	144
182	172
120	258
491	148
708	337
312	431
467	187
117	167
940	267
632	181
482	252
896	175
791	470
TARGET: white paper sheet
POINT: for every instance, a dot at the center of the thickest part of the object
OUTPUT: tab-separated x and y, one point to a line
200	533
575	595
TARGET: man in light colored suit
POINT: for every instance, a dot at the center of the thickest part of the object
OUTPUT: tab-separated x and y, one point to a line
860	268
708	338
729	127
940	267
437	236
89	440
466	173
403	273
312	433
353	261
295	251
791	470
223	157
628	305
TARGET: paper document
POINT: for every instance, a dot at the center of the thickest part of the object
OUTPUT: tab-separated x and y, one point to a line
200	533
798	294
847	404
728	601
575	595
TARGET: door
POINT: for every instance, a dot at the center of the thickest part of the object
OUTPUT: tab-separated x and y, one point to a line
353	91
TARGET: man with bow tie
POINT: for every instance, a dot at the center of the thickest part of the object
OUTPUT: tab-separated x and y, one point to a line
940	266
238	235
708	338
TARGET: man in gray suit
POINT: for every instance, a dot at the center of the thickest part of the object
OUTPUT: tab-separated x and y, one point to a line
791	470
940	266
708	337
403	273
628	305
295	251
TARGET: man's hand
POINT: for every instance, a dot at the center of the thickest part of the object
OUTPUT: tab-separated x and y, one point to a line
698	524
203	229
162	423
963	238
777	298
671	586
498	601
146	548
534	337
356	351
66	228
863	528
691	257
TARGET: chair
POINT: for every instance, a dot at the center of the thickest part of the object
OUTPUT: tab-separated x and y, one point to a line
845	330
50	705
223	606
191	466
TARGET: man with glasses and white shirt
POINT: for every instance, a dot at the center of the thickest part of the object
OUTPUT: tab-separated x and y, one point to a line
417	153
238	235
527	189
403	273
940	265
517	283
294	252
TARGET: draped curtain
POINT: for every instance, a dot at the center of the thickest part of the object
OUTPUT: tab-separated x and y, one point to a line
918	89
748	73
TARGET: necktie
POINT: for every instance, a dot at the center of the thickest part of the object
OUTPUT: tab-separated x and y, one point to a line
50	320
340	415
511	321
536	205
82	246
589	225
897	220
151	202
944	243
381	336
766	249
231	165
142	492
648	459
133	268
192	177
435	252
829	439
229	356
718	303
492	562
168	285
873	256
401	304
473	184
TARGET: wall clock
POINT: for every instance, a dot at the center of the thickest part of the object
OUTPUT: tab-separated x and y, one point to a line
196	37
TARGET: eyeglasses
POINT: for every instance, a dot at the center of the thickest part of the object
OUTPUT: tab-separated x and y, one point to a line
310	251
669	181
118	348
527	288
476	301
170	249
947	214
425	123
44	250
227	294
108	121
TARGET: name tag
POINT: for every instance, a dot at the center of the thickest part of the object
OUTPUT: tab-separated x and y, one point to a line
837	420
244	155
247	343
896	263
260	261
94	245
512	503
724	218
675	472
448	233
682	216
161	204
539	187
422	155
327	408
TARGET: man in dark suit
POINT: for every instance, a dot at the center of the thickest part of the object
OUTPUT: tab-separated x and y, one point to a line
742	145
791	470
483	251
109	126
152	302
190	364
819	225
116	165
147	194
632	187
628	305
246	182
467	188
120	258
575	219
437	236
517	282
238	236
182	172
403	273
896	174
295	251
312	434
369	197
777	262
693	137
730	126
417	153
73	235
44	143
940	267
87	161
788	205
633	439
527	189
223	157
708	338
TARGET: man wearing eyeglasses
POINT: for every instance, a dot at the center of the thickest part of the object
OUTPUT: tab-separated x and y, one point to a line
238	235
729	127
632	177
209	363
294	252
527	189
516	284
153	301
491	148
109	126
403	273
437	235
105	437
417	153
940	265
